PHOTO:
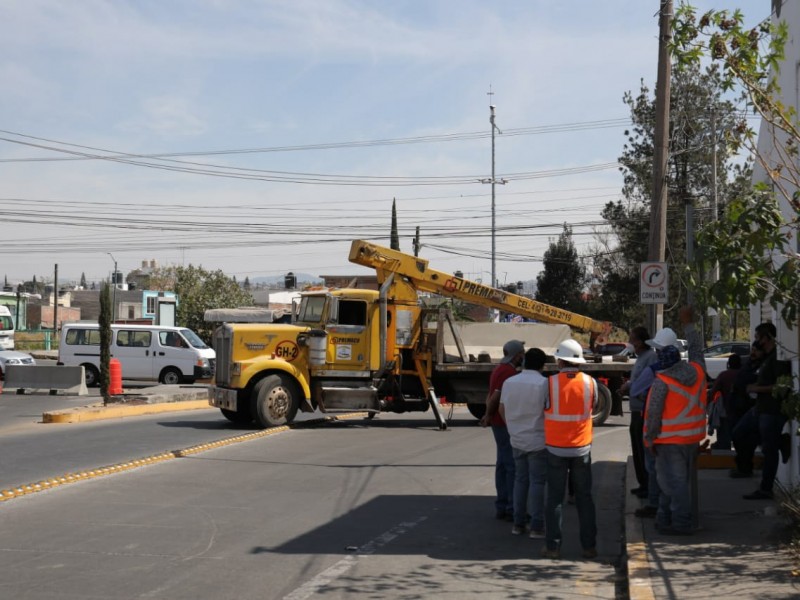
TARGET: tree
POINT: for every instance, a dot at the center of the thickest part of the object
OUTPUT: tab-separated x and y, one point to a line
105	341
562	281
246	284
199	290
83	281
699	117
753	241
395	237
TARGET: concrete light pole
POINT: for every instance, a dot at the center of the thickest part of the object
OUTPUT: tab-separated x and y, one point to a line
493	181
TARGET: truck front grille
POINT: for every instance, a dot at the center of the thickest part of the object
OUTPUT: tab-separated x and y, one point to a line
222	343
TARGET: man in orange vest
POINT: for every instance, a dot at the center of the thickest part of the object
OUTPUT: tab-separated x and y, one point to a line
568	438
674	424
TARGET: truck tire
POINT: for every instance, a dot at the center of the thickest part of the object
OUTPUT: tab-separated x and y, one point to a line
240	417
476	410
276	399
603	407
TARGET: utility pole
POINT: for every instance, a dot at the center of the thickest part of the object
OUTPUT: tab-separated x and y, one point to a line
493	181
114	283
658	210
416	242
714	208
55	302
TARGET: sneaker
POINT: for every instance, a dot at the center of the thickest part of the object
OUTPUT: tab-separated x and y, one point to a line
536	534
590	553
737	474
646	512
550	552
759	494
517	530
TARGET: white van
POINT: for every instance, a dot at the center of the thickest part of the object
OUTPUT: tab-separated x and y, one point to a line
169	355
6	329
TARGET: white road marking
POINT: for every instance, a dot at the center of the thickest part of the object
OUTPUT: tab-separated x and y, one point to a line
340	568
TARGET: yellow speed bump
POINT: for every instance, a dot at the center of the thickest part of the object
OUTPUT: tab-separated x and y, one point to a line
53	482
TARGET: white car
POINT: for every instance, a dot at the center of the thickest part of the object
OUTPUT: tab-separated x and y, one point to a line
716	356
12	357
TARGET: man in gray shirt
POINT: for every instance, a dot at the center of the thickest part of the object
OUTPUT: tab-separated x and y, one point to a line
645	356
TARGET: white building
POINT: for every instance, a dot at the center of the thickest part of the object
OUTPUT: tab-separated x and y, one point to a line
788	333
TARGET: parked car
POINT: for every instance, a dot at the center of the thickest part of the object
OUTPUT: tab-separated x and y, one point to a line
716	356
610	348
14	357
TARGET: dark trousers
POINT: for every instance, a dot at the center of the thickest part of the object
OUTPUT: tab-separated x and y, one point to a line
637	447
755	429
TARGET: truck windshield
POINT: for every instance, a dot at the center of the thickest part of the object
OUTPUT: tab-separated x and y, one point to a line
193	339
6	323
311	308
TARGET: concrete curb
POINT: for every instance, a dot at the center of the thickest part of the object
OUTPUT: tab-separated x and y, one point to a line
639	572
98	412
160	399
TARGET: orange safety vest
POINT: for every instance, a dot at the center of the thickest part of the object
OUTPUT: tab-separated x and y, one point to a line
684	418
568	418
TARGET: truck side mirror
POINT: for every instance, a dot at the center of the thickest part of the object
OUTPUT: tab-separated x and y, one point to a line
333	310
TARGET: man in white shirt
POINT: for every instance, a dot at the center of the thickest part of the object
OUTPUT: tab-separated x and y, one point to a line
522	403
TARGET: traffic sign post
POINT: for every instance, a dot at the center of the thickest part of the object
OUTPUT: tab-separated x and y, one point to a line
653	283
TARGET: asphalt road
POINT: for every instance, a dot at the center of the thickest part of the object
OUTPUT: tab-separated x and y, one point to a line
389	508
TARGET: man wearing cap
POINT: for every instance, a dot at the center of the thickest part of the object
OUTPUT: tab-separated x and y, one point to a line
675	422
568	438
513	353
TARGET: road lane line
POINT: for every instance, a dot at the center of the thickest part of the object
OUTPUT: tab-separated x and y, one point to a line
341	567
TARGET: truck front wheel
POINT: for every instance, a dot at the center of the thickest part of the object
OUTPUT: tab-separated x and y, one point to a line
275	401
240	417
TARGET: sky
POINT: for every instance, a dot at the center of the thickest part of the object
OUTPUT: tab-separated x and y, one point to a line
262	136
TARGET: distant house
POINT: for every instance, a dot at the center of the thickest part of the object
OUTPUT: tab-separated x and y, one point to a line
131	305
367	282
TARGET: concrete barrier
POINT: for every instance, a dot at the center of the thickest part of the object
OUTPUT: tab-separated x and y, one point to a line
70	380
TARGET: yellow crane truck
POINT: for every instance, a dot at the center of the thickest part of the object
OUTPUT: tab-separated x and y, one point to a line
376	350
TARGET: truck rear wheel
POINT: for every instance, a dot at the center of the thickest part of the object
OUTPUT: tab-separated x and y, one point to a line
476	410
275	401
603	407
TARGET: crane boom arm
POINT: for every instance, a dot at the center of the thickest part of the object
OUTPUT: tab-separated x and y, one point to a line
416	272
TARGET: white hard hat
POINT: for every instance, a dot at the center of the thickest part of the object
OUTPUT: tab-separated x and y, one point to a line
570	351
664	337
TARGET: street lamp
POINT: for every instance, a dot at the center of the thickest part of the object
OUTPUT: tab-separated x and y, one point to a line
114	283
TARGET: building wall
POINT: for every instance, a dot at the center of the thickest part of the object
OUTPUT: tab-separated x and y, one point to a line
788	333
40	316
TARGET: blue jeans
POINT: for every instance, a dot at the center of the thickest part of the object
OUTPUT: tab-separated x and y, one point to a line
529	484
759	428
653	489
579	469
673	469
503	470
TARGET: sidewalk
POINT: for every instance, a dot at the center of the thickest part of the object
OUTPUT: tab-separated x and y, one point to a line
735	553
